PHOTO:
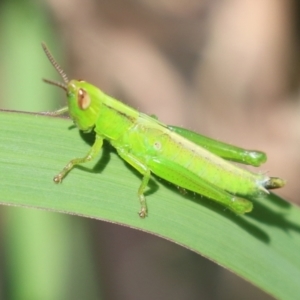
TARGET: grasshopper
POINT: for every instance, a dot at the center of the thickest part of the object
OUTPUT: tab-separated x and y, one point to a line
180	156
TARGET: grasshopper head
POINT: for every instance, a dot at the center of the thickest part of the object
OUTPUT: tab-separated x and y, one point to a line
83	98
83	103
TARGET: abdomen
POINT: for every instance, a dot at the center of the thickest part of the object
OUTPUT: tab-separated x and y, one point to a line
156	143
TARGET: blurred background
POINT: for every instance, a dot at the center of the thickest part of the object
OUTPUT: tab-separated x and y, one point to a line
228	69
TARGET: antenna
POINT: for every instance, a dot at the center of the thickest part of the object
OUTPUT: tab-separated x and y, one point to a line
57	68
56	83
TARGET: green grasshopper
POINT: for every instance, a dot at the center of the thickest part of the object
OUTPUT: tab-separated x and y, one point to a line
180	156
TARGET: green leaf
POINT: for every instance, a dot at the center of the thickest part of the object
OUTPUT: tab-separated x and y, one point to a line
263	247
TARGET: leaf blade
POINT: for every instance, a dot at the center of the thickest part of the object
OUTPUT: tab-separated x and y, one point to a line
262	247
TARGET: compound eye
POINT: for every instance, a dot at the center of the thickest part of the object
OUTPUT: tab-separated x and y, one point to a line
83	99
